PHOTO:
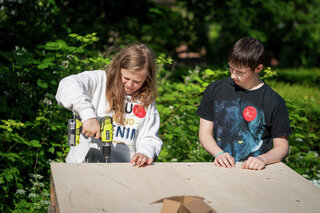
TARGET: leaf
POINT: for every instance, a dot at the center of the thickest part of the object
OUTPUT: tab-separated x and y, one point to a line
42	84
10	156
35	143
209	72
56	45
53	128
51	150
156	11
73	35
10	173
46	63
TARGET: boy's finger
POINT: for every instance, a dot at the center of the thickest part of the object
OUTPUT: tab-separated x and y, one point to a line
231	161
245	165
220	162
257	165
242	165
252	165
261	166
226	163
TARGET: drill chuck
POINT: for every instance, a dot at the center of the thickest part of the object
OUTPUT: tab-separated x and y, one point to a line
106	150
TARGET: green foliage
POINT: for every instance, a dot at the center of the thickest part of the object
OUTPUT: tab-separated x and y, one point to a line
33	126
117	23
304	146
292	37
34	199
306	77
177	103
268	73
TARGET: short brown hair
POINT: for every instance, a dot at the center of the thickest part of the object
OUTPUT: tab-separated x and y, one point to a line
247	52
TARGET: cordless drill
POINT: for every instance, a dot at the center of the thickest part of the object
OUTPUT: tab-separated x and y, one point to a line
106	129
106	135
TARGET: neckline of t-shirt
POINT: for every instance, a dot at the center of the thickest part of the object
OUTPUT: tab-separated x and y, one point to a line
257	87
245	90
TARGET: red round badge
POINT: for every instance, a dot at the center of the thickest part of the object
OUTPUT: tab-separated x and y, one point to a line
249	113
139	111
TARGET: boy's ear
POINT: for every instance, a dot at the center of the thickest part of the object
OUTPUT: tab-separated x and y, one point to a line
259	68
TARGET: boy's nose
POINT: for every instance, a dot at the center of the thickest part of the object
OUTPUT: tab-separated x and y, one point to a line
233	76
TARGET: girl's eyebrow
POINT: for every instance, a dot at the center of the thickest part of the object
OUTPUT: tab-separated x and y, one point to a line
137	81
124	75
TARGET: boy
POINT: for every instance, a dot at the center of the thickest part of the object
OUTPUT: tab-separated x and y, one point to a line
249	120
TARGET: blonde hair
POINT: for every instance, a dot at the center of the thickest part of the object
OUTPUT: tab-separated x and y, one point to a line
135	57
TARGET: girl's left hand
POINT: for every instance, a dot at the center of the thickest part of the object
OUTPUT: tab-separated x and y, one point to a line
141	160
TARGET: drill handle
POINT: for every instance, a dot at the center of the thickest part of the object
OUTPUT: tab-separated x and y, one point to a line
106	129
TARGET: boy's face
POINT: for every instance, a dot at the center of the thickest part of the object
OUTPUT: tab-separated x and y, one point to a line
242	76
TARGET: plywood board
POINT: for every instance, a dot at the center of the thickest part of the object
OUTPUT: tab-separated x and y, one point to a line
120	187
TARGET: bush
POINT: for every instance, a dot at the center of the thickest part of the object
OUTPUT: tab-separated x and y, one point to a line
307	77
177	103
33	127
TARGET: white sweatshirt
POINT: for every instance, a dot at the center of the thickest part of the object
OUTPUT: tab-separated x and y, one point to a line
84	93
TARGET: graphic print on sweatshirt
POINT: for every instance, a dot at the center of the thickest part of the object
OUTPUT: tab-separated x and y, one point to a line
239	128
134	118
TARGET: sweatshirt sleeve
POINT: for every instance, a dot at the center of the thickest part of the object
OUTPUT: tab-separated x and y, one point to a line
75	93
148	141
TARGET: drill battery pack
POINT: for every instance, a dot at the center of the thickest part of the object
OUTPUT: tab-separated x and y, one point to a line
74	129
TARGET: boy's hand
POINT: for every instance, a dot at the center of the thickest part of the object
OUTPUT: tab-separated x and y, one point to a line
141	160
224	160
253	163
91	128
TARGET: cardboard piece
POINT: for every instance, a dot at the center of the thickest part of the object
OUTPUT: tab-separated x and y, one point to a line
184	204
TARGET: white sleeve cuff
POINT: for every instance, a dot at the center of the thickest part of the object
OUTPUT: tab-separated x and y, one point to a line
87	114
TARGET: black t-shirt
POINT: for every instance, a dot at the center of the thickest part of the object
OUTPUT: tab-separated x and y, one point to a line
245	121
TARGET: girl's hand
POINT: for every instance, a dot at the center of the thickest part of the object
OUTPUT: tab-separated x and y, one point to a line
141	160
224	160
253	163
91	128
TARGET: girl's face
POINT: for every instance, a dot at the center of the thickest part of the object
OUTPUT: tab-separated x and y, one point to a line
132	80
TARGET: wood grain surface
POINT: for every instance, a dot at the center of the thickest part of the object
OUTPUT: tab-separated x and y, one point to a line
121	187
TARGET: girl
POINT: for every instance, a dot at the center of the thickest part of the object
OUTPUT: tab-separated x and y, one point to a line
127	92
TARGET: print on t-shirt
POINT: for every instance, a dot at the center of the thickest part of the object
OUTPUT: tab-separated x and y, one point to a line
239	128
135	115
